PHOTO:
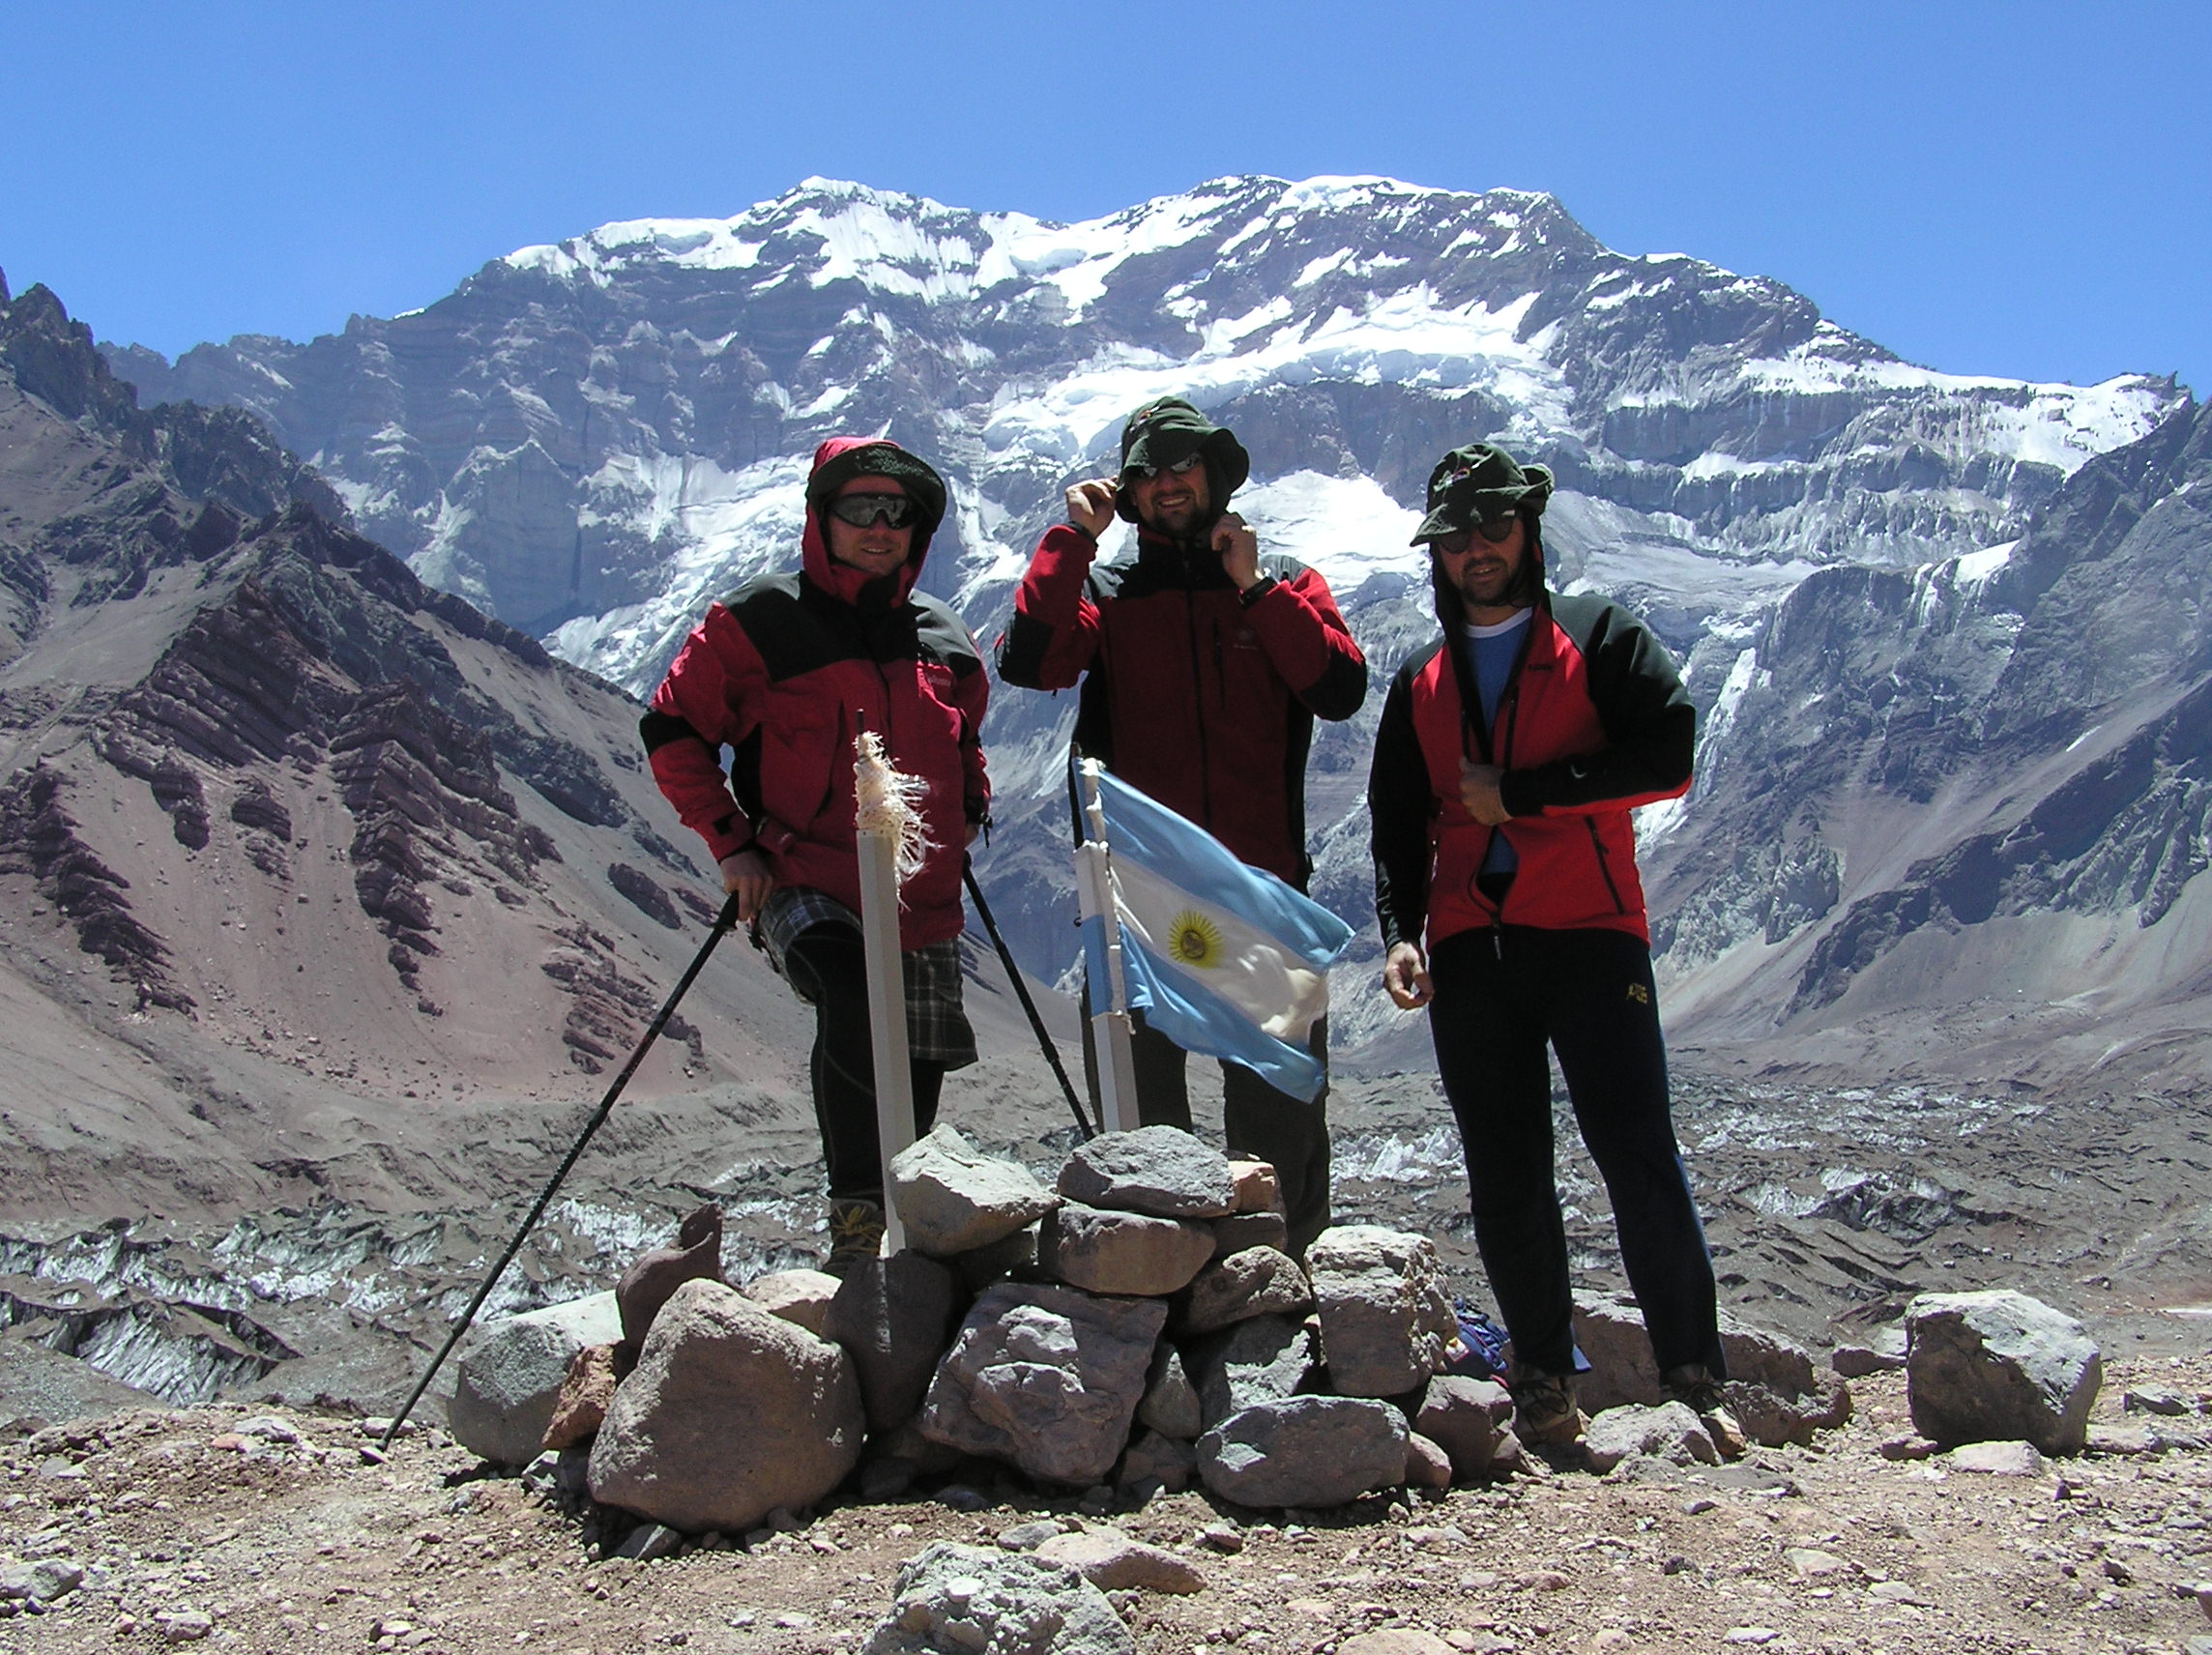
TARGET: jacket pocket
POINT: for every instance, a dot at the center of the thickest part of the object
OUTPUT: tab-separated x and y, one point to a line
799	747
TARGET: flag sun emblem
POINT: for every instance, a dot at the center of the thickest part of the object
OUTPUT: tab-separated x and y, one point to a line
1193	939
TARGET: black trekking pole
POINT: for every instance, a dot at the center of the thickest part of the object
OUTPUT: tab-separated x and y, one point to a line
1022	993
723	922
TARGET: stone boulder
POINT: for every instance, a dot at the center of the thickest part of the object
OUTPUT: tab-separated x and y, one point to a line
1160	1170
1309	1451
801	1296
1385	1317
1255	1186
1170	1401
1427	1464
510	1373
966	1600
953	1199
646	1285
1995	1367
729	1414
1471	1421
1156	1458
1771	1378
1113	1562
1669	1431
1045	1378
1242	1230
586	1392
1129	1253
893	1317
1258	1280
1263	1359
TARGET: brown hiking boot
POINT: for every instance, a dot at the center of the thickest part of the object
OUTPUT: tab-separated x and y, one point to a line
856	1234
1544	1412
1694	1386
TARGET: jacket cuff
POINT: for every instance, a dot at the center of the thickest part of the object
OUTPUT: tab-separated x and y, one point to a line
1517	790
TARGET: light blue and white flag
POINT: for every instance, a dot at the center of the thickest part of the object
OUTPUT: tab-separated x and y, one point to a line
1223	959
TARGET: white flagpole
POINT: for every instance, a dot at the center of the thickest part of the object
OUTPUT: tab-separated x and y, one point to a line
885	823
1110	1028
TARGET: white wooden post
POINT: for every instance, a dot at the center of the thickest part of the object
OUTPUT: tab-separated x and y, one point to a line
1110	1028
883	822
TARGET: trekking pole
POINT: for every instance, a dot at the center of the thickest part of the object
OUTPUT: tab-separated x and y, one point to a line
1022	994
723	922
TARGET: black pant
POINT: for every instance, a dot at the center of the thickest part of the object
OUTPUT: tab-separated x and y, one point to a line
828	965
1258	1123
1500	996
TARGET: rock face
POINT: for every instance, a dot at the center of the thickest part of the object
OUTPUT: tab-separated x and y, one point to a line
729	1414
954	1199
1309	1451
1158	1170
645	1287
892	1317
508	1374
1130	1252
1384	1315
1258	1280
952	1597
1993	1367
1045	1378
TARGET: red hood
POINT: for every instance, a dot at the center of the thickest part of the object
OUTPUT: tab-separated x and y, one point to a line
841	580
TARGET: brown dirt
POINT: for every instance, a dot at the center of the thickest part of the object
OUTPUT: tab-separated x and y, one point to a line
312	1547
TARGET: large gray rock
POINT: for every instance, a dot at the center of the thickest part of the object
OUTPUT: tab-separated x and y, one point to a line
966	1600
1045	1378
1385	1317
1309	1451
953	1198
893	1317
1610	1333
1470	1420
1258	1281
729	1414
1669	1432
508	1374
1995	1367
1132	1253
1242	1230
1159	1170
1170	1401
1263	1359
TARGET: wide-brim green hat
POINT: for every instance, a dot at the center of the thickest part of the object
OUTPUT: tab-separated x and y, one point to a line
1478	485
1170	429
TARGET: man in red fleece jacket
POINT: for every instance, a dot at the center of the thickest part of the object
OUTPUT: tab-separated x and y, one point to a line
1204	662
786	673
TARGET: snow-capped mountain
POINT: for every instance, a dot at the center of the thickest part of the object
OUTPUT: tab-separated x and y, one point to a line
591	440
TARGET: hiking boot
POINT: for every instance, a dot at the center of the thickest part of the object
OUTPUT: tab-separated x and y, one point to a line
1544	1412
1694	1386
856	1234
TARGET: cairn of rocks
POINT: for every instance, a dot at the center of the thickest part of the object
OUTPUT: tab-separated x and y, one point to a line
1137	1328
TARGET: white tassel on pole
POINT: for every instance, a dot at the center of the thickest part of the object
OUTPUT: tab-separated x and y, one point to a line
888	824
1111	1027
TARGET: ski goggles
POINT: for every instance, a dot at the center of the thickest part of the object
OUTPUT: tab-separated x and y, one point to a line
1181	468
1497	532
862	510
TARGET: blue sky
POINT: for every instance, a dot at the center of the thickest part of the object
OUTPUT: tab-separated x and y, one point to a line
2008	189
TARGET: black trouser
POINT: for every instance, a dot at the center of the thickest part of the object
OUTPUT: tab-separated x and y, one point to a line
1500	996
828	965
1258	1123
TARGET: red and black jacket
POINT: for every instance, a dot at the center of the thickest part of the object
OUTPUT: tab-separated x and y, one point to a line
1593	722
786	673
1201	696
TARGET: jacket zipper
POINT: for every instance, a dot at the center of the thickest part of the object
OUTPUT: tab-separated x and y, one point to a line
1604	864
1198	701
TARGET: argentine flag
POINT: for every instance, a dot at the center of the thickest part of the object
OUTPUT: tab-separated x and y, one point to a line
1223	959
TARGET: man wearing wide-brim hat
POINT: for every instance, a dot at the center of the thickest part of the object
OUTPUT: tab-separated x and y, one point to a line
1204	663
1509	755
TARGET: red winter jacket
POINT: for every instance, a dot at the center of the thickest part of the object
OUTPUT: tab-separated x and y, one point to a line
786	673
1200	695
1593	721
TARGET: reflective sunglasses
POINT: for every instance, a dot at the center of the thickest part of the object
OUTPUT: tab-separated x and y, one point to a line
862	509
1179	469
1497	532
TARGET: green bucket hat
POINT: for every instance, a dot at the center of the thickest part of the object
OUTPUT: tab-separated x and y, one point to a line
1477	484
1170	429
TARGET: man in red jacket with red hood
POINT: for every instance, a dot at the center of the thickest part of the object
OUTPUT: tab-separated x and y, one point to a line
1204	663
786	674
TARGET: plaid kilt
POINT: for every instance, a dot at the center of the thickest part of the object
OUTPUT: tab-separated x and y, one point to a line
936	1026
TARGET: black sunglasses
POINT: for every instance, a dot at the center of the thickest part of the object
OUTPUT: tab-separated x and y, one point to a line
862	509
1497	532
1177	469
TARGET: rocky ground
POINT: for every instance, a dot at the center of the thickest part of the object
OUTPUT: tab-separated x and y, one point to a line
262	1532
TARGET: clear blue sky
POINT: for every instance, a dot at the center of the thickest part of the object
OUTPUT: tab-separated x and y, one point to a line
2013	188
